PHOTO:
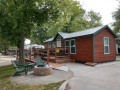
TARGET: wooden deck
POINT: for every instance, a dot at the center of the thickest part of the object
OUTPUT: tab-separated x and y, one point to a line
58	59
56	55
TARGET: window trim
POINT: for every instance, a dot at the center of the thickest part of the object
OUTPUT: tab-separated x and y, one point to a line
67	46
49	44
106	45
71	46
58	39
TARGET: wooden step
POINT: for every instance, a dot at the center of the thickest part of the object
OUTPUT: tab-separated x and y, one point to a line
62	60
90	64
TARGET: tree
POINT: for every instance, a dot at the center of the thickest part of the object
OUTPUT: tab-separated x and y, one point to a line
116	24
4	45
72	17
18	18
94	19
39	35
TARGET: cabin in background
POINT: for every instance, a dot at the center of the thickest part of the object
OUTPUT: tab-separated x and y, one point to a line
92	45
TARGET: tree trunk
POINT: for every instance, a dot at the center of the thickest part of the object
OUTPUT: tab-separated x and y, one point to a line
21	48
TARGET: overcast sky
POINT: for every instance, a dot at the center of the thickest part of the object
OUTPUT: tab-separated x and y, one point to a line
104	7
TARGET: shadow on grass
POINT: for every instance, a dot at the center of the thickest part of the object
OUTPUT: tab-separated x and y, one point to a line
5	83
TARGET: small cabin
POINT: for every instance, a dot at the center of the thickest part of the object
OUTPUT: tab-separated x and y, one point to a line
92	45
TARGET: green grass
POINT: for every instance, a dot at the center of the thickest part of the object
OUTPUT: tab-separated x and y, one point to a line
6	84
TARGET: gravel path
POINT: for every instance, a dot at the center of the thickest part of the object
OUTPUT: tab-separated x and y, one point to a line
32	79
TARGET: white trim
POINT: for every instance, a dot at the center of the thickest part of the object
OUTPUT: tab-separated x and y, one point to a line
67	46
58	41
106	45
72	46
49	44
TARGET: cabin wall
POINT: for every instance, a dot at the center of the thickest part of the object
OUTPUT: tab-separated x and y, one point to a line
99	55
83	49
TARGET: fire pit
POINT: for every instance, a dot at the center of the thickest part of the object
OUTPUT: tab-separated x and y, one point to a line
43	71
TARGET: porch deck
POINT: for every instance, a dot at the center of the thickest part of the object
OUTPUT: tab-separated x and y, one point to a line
60	59
56	55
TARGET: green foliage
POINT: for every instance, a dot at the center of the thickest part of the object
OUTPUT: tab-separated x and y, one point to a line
18	18
116	24
94	19
4	45
72	17
39	35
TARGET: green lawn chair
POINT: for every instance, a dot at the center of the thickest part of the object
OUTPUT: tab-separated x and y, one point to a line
30	65
40	62
19	68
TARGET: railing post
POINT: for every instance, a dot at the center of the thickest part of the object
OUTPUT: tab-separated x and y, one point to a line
48	56
69	52
55	53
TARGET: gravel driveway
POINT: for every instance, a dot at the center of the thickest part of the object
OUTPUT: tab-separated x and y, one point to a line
105	76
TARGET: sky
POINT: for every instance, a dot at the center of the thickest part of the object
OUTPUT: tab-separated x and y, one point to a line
104	7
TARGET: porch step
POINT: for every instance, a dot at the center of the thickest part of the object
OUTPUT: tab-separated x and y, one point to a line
90	64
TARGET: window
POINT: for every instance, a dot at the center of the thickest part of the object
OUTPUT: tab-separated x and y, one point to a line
67	45
58	42
72	46
49	44
53	45
106	45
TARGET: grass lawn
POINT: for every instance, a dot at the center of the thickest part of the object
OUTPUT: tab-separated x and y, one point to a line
6	84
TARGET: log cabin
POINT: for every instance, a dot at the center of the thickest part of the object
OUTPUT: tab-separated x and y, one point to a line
93	45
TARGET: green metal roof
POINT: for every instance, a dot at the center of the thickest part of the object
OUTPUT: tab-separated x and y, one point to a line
48	40
83	32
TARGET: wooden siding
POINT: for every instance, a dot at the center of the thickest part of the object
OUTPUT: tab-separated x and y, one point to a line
99	55
83	49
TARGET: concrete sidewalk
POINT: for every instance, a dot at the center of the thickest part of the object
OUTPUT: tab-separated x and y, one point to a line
104	76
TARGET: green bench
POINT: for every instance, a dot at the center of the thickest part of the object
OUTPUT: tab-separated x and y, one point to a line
20	68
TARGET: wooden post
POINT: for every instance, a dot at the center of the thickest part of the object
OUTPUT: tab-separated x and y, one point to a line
55	54
48	56
69	52
17	54
30	53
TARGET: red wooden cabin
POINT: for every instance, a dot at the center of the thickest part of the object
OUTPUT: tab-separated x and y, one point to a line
91	45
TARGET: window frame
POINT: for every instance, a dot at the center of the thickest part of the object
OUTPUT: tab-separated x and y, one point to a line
67	46
58	39
72	46
49	44
106	45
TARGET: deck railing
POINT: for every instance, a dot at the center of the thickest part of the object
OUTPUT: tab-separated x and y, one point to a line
58	53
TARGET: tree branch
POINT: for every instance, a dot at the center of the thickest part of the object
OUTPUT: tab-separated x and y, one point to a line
14	2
